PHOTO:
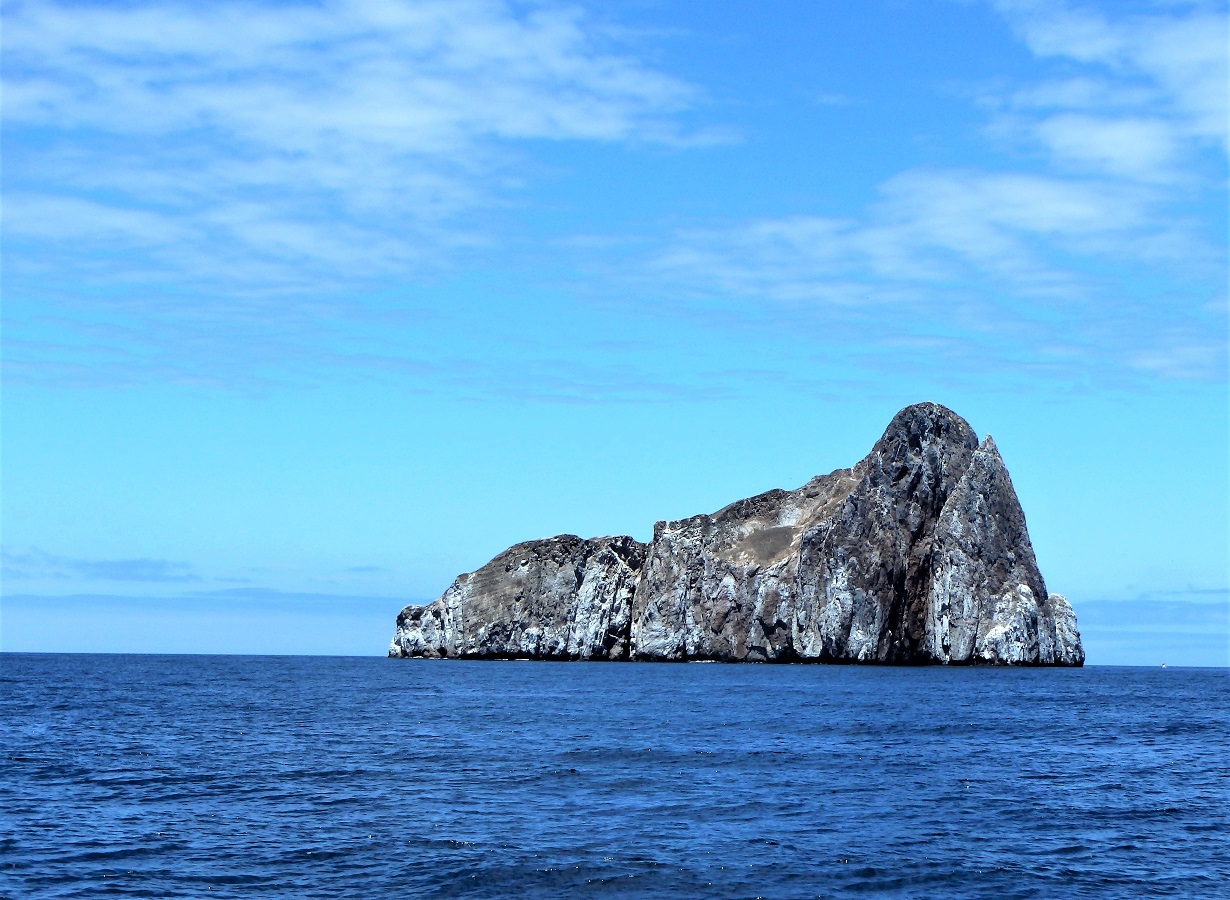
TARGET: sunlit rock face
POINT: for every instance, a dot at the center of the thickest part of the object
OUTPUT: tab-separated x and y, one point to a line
917	554
558	598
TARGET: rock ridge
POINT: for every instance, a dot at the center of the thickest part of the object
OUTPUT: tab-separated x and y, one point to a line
917	554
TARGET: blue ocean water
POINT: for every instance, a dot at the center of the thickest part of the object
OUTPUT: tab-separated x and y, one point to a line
194	776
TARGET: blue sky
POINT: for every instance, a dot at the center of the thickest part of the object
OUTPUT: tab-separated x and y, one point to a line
309	307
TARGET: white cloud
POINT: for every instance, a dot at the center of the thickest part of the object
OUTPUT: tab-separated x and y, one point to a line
1166	72
238	153
1135	148
1180	355
1094	252
929	228
344	138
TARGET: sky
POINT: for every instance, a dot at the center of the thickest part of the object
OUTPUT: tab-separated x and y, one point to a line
310	307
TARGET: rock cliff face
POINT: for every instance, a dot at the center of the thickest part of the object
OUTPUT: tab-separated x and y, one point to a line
558	598
917	554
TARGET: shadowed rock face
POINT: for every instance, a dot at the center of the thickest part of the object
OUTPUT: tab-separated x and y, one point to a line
917	554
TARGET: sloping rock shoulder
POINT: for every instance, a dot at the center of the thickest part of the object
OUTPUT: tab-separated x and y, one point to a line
917	554
558	598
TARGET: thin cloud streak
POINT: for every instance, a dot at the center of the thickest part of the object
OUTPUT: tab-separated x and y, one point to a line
1091	260
342	138
308	153
930	227
32	563
1174	66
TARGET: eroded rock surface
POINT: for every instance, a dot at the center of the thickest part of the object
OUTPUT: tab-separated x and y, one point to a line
558	598
917	554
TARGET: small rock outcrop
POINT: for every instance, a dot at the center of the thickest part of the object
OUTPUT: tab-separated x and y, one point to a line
918	554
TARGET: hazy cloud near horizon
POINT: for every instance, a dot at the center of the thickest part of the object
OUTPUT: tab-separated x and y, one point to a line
34	564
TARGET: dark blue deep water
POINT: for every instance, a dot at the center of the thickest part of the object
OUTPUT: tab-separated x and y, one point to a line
195	776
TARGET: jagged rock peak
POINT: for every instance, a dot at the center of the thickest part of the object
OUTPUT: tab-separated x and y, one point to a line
916	554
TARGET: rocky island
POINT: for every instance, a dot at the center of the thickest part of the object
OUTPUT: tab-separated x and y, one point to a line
917	554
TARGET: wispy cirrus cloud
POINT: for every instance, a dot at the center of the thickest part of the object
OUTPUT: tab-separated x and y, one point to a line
289	144
927	226
218	194
1085	249
210	194
1152	85
1143	97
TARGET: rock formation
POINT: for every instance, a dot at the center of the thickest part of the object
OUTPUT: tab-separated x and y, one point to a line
917	554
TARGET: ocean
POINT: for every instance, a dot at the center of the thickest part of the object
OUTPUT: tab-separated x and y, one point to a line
229	776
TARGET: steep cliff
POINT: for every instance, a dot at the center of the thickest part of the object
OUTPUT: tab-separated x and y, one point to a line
917	554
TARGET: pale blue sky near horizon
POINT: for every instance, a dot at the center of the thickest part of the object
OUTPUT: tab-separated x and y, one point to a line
309	307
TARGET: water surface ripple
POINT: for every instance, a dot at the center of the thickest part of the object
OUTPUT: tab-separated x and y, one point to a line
192	776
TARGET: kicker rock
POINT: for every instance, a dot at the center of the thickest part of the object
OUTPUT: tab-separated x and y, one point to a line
917	554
